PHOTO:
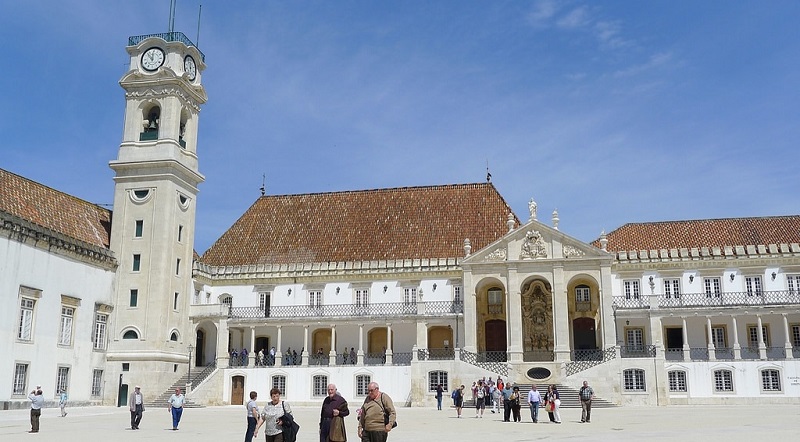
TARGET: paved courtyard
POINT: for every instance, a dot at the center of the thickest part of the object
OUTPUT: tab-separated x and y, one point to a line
708	424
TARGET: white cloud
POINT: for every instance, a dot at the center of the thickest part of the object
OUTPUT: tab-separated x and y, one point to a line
543	12
575	19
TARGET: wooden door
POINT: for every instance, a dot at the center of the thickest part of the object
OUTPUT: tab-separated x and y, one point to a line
583	334
496	335
237	390
200	347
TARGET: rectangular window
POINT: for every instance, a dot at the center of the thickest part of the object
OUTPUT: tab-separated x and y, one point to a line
178	267
796	336
672	288
718	337
20	378
634	339
25	331
97	382
175	302
631	287
263	300
457	297
100	321
677	381
770	380
137	262
315	301
753	285
362	384
180	233
723	381
793	283
65	335
582	294
279	382
752	335
62	380
410	295
320	385
495	297
126	366
362	297
436	378
712	287
633	380
134	297
139	229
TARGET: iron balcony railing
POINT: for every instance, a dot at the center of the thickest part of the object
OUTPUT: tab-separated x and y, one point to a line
637	351
716	299
436	354
673	354
166	36
437	308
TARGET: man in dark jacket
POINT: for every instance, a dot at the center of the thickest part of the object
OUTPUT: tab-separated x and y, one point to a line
331	419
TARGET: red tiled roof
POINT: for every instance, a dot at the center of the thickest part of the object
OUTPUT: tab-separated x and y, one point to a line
383	224
705	233
54	210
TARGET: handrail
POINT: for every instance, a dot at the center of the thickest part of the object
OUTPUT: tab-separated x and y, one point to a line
166	36
437	308
716	299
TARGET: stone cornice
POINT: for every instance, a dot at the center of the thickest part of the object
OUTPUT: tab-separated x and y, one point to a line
34	235
683	255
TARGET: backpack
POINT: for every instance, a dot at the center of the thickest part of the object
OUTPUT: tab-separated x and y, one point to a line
481	393
453	395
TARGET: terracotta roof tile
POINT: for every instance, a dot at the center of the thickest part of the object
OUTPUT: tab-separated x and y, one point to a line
54	210
400	223
705	233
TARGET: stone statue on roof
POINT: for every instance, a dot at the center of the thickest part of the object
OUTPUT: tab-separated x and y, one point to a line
532	208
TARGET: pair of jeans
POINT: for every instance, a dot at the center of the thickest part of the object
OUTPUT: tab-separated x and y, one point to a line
439	402
535	411
586	410
176	416
506	410
251	428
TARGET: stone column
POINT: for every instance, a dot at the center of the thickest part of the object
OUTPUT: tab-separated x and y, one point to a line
687	356
332	352
737	349
470	314
762	346
712	356
251	357
278	354
514	315
304	360
223	356
360	354
422	335
657	338
388	354
788	344
560	316
606	297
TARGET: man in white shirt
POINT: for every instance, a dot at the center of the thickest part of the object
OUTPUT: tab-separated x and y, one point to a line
37	402
176	402
534	399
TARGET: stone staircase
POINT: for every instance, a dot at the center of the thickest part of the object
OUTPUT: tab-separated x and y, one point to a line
569	397
198	376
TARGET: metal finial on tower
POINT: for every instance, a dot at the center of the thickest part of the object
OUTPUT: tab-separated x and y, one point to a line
488	174
173	4
263	184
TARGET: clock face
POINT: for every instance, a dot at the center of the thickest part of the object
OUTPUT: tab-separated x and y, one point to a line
190	67
152	59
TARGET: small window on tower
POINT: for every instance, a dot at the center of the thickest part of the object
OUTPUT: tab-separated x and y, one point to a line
180	233
175	302
139	228
137	262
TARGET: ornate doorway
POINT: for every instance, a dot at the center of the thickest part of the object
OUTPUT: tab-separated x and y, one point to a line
237	390
537	321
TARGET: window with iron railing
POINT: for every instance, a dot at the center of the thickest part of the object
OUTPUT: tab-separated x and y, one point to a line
410	295
770	380
436	378
279	382
677	381
633	380
712	287
753	285
320	385
672	288
723	381
631	288
752	335
793	284
362	384
97	382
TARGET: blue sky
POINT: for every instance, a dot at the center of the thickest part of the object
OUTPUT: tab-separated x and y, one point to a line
611	112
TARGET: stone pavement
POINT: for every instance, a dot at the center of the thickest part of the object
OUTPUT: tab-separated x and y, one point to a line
684	423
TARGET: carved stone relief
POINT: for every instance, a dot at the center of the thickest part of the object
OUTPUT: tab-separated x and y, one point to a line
572	252
537	316
533	246
497	255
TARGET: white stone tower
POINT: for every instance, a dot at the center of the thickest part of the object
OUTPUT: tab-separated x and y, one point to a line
152	233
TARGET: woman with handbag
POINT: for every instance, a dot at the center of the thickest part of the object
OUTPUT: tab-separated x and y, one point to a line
272	417
548	403
556	399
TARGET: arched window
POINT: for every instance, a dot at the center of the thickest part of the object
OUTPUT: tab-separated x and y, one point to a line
723	381
677	381
633	380
174	337
130	334
770	380
227	300
362	384
320	385
435	378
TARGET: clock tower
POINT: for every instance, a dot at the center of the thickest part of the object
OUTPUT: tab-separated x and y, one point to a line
152	233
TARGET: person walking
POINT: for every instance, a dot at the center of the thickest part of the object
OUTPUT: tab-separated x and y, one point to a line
458	399
507	392
587	394
252	417
516	404
175	406
37	402
62	402
556	399
480	399
497	394
548	403
136	407
534	399
272	417
331	418
439	392
377	417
